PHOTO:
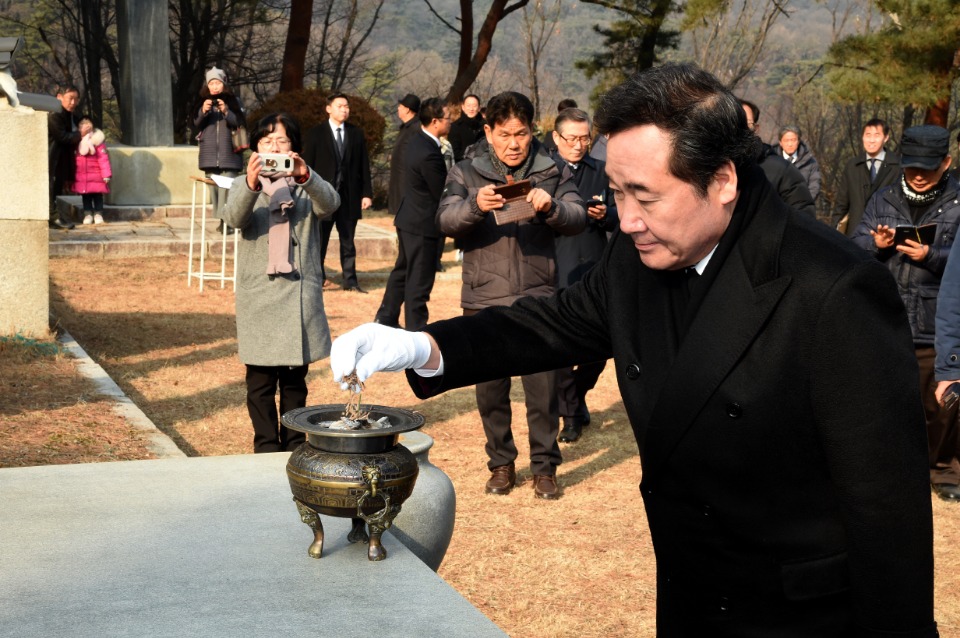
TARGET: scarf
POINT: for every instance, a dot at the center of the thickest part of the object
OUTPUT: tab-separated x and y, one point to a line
279	260
920	199
518	173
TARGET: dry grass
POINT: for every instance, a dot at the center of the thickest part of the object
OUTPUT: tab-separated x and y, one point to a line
580	566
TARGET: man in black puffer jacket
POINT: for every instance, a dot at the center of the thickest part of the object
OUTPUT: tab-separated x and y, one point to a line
926	194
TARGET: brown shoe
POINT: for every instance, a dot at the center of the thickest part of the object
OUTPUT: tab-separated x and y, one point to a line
502	479
545	486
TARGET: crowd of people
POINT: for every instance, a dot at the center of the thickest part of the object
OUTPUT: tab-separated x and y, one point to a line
777	371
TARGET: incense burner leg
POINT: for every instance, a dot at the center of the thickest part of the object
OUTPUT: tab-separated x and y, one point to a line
312	519
358	533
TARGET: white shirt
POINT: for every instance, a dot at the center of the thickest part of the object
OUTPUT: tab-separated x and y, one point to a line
334	126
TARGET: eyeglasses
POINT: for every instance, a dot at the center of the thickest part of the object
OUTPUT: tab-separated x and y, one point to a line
573	139
273	142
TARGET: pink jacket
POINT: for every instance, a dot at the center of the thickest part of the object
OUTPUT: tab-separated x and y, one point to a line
93	165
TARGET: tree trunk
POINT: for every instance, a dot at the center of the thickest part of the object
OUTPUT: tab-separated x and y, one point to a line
295	49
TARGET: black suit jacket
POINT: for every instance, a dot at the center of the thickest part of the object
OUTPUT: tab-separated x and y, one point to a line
856	189
320	154
784	456
395	191
424	173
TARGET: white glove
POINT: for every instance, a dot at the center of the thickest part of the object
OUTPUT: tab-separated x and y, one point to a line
373	347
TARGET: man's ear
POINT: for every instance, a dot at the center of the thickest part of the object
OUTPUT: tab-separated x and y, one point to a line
725	181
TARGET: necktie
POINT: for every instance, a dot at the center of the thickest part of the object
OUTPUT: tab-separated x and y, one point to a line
340	142
873	168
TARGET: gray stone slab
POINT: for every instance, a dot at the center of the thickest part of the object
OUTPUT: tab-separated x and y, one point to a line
206	547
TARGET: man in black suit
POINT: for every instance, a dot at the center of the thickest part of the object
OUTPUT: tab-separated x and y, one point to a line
63	137
864	175
408	109
424	172
338	152
784	456
577	254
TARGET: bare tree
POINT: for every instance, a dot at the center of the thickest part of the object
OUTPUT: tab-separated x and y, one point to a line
539	23
470	61
345	27
295	49
728	37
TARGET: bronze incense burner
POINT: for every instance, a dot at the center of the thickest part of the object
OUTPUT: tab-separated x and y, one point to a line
363	474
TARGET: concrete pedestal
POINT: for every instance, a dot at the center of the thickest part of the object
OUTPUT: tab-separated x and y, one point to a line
206	547
24	211
152	175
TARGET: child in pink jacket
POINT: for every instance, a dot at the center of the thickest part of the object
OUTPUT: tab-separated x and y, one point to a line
93	172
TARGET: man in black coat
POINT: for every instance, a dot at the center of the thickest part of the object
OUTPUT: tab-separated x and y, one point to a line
63	137
864	175
468	129
338	152
577	254
784	457
408	109
424	172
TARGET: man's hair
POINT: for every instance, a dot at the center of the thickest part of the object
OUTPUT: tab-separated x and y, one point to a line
509	104
877	122
431	109
63	89
566	103
471	95
333	96
268	124
570	115
754	109
789	128
705	122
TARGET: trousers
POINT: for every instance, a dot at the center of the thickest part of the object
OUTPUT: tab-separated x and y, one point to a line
263	383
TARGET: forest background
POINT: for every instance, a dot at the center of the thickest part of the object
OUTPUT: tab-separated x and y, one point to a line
824	65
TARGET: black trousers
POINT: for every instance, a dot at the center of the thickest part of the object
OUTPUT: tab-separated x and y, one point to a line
347	229
263	382
573	385
410	282
942	436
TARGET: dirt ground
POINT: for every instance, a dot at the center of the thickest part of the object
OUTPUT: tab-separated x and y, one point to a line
581	566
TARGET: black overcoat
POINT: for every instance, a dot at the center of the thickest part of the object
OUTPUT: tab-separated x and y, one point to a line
855	188
423	175
783	454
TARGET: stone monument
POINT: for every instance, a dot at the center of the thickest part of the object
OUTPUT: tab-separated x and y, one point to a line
24	286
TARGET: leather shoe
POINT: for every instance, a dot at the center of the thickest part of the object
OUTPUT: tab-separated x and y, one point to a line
571	430
545	486
355	289
947	492
502	479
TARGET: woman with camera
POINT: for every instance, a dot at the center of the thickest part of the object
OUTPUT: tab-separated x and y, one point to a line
218	116
281	323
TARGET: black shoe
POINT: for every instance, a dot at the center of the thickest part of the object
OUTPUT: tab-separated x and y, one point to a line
947	492
230	229
571	430
355	289
583	414
62	224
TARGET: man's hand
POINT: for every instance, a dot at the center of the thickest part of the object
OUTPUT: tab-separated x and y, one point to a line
913	250
882	236
373	347
941	388
488	200
365	203
597	209
540	199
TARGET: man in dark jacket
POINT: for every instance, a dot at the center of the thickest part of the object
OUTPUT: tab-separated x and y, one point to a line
864	175
786	179
504	262
468	129
63	137
338	152
408	109
577	254
926	195
424	172
783	453
794	150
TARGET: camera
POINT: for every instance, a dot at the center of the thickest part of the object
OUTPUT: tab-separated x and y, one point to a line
276	163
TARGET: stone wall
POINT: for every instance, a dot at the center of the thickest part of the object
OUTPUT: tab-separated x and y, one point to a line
24	211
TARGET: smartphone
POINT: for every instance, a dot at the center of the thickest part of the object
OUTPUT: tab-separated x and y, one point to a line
515	190
950	396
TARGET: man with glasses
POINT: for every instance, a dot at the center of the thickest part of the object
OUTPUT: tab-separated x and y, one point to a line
338	152
577	254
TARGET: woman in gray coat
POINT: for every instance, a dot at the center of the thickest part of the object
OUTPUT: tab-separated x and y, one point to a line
281	323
